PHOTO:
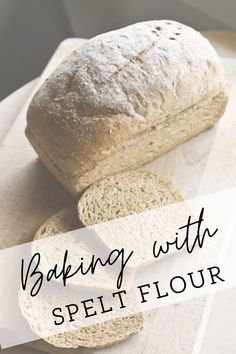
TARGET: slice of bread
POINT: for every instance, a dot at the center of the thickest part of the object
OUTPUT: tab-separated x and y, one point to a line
37	312
124	194
93	336
133	193
61	223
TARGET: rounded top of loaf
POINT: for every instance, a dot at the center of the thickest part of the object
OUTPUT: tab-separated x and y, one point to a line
115	72
119	84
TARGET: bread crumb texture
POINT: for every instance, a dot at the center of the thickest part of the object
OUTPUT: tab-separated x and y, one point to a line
125	194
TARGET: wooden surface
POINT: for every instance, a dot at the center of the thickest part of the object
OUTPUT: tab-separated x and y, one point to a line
30	194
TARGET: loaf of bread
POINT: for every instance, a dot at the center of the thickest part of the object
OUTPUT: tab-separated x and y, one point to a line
124	98
93	336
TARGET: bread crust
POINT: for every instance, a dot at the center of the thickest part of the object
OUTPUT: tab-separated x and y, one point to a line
117	86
